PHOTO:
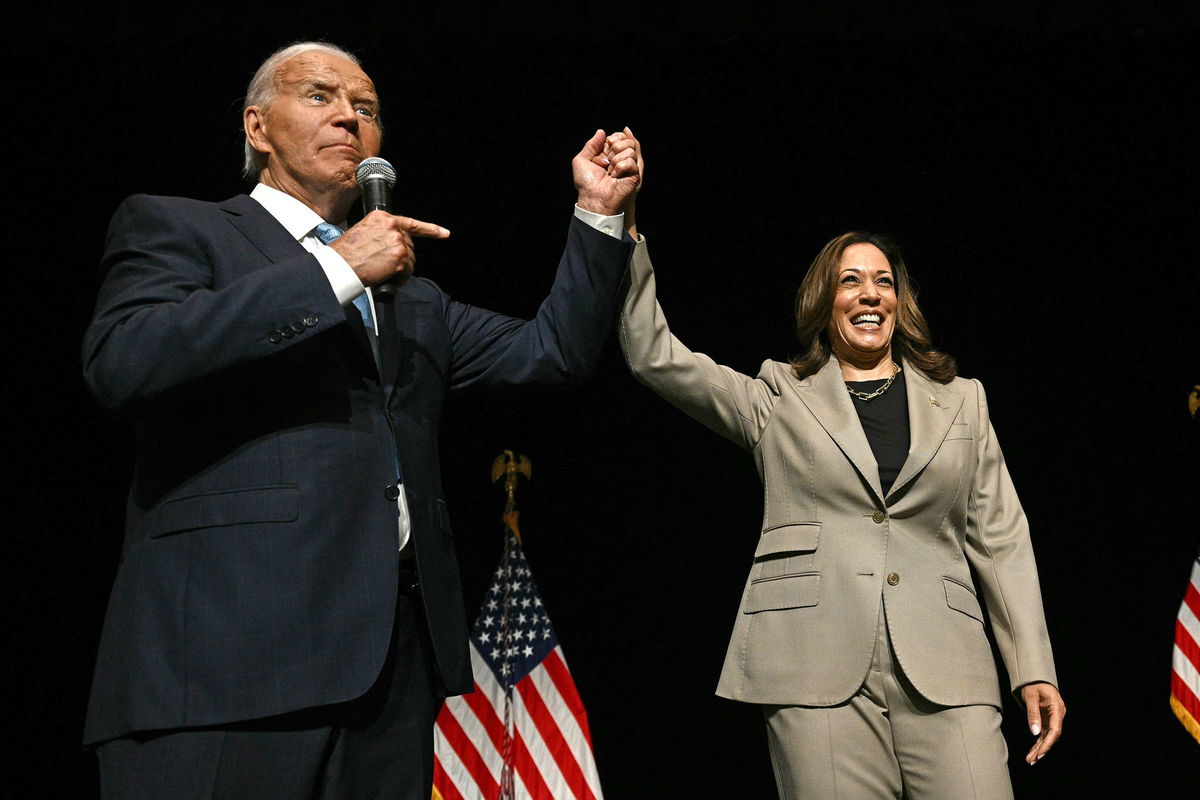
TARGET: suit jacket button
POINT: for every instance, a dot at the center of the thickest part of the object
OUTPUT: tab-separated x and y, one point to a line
878	517
392	493
286	331
310	321
276	337
298	327
893	578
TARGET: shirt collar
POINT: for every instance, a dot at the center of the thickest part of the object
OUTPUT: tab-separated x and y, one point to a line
297	218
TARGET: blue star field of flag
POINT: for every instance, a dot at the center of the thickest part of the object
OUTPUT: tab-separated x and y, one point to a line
513	644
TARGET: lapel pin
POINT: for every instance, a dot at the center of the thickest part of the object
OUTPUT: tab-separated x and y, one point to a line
933	401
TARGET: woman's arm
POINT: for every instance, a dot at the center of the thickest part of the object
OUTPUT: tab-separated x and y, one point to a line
732	404
1000	550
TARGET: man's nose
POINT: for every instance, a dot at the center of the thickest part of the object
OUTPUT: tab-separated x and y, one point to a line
345	114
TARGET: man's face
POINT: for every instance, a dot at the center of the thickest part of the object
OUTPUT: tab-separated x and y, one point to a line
321	123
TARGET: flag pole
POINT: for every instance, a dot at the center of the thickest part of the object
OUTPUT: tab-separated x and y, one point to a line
511	468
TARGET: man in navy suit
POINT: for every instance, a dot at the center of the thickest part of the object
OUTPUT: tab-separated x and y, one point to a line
287	613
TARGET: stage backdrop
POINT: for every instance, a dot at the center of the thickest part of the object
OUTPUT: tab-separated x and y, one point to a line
1035	164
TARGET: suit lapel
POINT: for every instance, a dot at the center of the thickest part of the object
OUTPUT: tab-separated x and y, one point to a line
932	409
275	243
261	229
824	392
388	341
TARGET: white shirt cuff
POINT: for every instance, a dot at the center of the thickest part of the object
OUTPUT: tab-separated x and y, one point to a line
614	226
342	278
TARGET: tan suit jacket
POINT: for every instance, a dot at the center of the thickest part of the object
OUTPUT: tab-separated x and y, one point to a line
834	550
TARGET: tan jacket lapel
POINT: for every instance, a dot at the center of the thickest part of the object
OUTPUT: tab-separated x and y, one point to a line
932	409
824	392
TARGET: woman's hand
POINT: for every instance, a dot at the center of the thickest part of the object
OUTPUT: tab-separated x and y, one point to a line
1044	710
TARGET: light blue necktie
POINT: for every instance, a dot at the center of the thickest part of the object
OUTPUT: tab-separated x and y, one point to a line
327	233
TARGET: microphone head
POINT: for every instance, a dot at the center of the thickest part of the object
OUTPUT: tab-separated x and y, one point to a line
374	169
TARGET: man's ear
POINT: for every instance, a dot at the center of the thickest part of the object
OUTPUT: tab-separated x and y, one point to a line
254	123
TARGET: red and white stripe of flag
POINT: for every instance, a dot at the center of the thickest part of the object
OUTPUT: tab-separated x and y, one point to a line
1185	661
552	748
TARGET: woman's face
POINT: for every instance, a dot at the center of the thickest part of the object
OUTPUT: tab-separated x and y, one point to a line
864	305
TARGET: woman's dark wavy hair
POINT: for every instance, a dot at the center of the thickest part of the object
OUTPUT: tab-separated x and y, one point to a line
814	308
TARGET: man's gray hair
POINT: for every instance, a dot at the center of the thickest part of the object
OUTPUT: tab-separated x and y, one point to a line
264	86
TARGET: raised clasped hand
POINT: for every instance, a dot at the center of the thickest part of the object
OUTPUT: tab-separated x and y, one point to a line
380	247
608	172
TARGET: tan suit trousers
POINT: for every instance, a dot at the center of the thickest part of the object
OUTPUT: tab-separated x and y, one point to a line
888	742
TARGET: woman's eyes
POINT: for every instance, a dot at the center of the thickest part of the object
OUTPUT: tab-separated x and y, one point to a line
850	280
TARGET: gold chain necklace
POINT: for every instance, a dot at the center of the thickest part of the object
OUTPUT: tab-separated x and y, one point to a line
880	390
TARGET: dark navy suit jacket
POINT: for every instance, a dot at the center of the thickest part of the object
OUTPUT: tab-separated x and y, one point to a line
259	568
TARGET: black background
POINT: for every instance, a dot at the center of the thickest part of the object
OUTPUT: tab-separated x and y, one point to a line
1037	164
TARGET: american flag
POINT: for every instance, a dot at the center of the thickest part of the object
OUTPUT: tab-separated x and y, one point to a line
523	733
1185	662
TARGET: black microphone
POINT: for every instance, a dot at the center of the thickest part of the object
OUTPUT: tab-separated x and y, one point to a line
376	178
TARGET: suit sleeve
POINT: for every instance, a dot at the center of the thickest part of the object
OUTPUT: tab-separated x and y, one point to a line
730	403
561	344
1000	550
166	318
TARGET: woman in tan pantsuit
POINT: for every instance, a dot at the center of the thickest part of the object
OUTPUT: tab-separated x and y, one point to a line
886	502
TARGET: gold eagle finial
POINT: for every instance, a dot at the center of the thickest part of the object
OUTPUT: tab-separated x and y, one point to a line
512	468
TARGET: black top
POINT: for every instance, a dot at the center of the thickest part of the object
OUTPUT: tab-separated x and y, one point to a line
885	422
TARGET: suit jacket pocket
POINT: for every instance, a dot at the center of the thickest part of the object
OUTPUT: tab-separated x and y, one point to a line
234	507
786	591
959	430
791	537
960	598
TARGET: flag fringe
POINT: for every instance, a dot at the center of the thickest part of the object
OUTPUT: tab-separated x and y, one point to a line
1188	721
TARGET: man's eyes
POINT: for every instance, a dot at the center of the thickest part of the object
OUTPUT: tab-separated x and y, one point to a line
364	111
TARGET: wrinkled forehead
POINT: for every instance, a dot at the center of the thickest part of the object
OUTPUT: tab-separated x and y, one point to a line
324	69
